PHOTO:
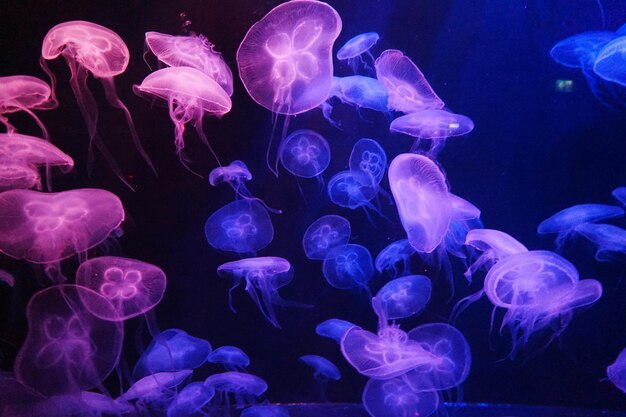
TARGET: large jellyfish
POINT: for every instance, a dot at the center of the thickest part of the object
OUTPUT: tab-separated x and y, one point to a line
402	297
68	349
394	254
356	48
610	240
91	48
305	153
190	94
263	276
25	93
325	234
133	287
348	266
245	388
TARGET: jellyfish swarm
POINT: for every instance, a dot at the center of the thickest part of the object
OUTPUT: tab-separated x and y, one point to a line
91	48
325	234
193	51
133	287
190	94
245	388
356	48
617	371
394	254
231	357
349	266
264	276
68	348
305	153
25	93
610	240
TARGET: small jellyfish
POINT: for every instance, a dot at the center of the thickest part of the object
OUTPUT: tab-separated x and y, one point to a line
190	94
323	371
565	221
610	63
610	240
305	153
394	254
91	48
285	60
356	48
394	397
156	386
494	246
190	400
67	349
245	388
369	158
193	51
25	93
243	226
265	411
334	329
263	276
231	357
352	189
325	234
620	195
133	287
402	297
348	266
405	84
617	371
172	350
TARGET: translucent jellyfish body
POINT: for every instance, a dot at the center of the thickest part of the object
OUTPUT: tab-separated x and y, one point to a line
305	153
402	297
395	254
190	400
617	371
394	397
243	226
157	386
361	91
354	50
610	63
405	84
369	158
231	357
25	93
193	51
133	287
285	60
352	189
263	276
620	195
68	348
190	94
334	329
494	246
609	240
580	50
47	227
325	234
245	388
91	48
349	266
323	369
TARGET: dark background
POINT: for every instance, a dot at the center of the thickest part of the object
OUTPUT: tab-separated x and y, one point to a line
534	151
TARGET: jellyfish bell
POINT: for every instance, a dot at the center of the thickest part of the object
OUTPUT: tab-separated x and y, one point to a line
190	400
235	174
494	245
369	158
305	153
356	48
325	234
244	387
617	371
156	386
349	266
362	91
17	175
620	195
394	397
352	189
402	297
610	240
323	368
580	50
610	63
231	357
394	254
334	328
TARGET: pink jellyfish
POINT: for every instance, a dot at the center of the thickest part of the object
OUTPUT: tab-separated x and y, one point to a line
190	94
91	48
25	93
68	348
131	286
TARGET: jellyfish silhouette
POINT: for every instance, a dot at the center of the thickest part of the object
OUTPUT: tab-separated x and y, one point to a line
245	388
68	348
25	93
190	94
394	254
394	397
91	48
617	371
231	357
305	153
356	49
190	400
325	234
610	240
349	266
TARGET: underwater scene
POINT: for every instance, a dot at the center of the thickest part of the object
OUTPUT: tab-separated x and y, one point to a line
265	208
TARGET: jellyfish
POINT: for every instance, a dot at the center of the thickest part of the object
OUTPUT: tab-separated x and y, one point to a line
265	411
620	195
91	48
405	84
245	388
190	400
610	63
580	50
323	371
243	226
609	240
394	397
155	386
402	297
305	153
25	93
356	48
7	278
334	329
494	246
565	221
394	254
352	189
264	276
357	91
369	158
434	125
67	349
231	357
45	228
325	234
193	51
190	94
617	371
349	266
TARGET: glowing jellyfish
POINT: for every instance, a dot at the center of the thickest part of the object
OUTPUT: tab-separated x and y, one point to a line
190	94
305	153
617	371
494	246
405	84
610	63
263	276
172	350
231	357
25	93
334	328
421	194
68	349
565	221
357	47
325	234
394	254
358	91
193	51
265	411
91	48
18	176
580	50
156	386
285	60
245	388
610	240
133	287
348	266
352	189
44	228
369	158
402	297
190	400
620	195
394	397
243	226
323	368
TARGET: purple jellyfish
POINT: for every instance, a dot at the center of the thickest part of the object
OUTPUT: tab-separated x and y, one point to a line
156	386
494	246
231	357
617	371
68	348
402	297
323	371
325	234
91	48
369	158
394	254
334	329
354	50
394	397
352	189
245	388
305	153
133	287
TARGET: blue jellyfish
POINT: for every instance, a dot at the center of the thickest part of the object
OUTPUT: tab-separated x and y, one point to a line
325	234
352	189
190	400
334	328
610	240
356	48
617	371
369	158
323	371
231	357
610	63
305	153
349	266
243	226
402	297
358	91
620	195
245	389
156	386
394	254
580	50
494	246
